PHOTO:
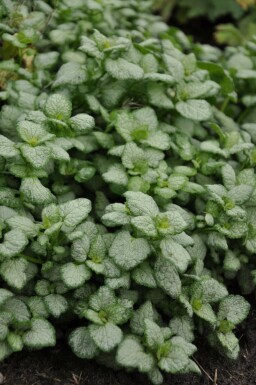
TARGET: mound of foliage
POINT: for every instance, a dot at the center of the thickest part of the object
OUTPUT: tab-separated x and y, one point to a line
127	187
240	13
211	9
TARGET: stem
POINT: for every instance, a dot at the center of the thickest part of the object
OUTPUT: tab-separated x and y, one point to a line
32	259
225	104
243	115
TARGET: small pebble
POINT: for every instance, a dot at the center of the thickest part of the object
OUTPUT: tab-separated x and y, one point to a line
1	378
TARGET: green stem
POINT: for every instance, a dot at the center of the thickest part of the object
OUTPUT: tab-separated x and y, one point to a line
243	115
225	104
32	259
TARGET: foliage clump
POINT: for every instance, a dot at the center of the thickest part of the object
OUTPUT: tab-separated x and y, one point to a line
127	188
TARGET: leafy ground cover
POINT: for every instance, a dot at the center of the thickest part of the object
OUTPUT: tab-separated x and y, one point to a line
127	193
46	367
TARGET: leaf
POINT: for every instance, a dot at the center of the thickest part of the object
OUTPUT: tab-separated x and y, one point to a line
34	192
37	156
206	313
177	182
194	188
90	48
82	123
58	153
175	253
20	314
4	295
153	334
133	158
230	344
145	311
218	241
15	342
37	307
156	77
146	116
25	225
198	110
75	275
70	73
102	299
46	60
155	376
217	191
159	140
120	282
240	194
122	69
231	262
233	308
111	270
120	312
93	316
74	212
130	354
174	67
3	331
80	248
157	96
8	198
184	239
33	133
41	335
236	228
50	215
186	346
149	63
182	326
170	223
213	147
56	304
229	176
127	251
175	361
125	124
58	107
219	75
82	344
145	225
6	213
144	275
115	218
196	90
5	349
141	204
105	140
13	271
209	290
98	249
106	337
116	174
246	74
7	148
167	277
15	241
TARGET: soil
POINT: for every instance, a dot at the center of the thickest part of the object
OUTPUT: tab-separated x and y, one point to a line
195	27
59	366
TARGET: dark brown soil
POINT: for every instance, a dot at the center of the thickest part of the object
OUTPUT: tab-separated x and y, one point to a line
58	366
